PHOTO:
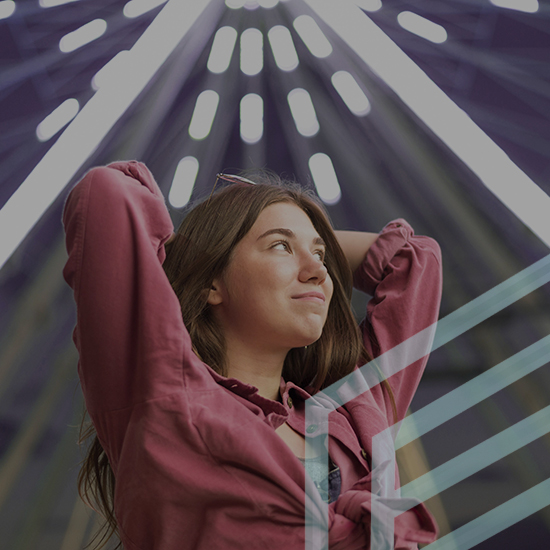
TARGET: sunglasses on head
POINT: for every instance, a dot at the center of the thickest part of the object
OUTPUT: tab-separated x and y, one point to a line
231	178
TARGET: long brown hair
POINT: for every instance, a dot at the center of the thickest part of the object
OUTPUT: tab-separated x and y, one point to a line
199	253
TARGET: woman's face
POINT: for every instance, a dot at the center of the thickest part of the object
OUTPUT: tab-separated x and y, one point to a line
275	292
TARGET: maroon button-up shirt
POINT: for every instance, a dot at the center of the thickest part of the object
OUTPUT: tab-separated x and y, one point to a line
198	464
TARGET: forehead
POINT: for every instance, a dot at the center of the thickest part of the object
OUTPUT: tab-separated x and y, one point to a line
284	215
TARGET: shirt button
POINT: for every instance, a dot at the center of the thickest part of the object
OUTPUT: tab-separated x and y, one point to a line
289	401
364	454
311	429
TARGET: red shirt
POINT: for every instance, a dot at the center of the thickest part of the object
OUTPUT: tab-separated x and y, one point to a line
197	461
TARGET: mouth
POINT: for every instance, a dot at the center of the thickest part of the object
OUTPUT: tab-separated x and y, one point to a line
317	297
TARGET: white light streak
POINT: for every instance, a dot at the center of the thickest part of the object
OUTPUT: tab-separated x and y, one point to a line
7	7
252	51
351	93
283	48
251	5
203	115
268	4
422	27
528	6
84	35
183	182
235	4
303	112
57	119
135	8
324	178
109	70
450	123
88	129
312	36
222	50
53	3
368	5
252	118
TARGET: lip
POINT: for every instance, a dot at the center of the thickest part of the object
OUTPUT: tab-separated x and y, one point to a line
310	296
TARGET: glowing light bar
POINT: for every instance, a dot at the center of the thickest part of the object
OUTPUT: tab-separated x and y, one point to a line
283	48
53	3
235	4
351	93
87	130
312	36
252	52
135	8
84	35
324	178
303	112
203	115
268	4
448	121
183	182
251	5
57	119
222	50
422	27
7	7
368	5
528	6
109	70
252	118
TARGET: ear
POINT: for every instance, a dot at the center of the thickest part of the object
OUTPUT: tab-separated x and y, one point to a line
215	294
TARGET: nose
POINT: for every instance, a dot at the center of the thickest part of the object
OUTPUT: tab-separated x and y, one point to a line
312	269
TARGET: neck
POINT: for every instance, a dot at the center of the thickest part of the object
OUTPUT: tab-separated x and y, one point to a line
258	368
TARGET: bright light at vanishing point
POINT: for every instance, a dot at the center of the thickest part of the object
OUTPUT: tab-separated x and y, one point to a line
222	50
324	178
183	182
351	93
312	36
252	118
303	112
203	115
84	35
252	52
57	119
422	27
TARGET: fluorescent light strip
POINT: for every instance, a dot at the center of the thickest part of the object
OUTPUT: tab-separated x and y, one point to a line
7	7
135	8
312	36
528	6
183	182
204	114
87	130
351	93
235	4
109	70
268	4
252	52
222	50
53	3
368	5
283	48
303	112
57	119
84	35
324	178
450	123
251	5
422	27
252	118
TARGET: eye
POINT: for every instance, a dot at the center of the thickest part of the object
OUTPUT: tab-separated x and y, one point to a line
283	244
320	254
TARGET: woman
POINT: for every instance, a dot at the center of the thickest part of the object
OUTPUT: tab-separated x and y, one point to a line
196	375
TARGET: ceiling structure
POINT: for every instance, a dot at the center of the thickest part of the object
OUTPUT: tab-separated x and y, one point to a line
390	161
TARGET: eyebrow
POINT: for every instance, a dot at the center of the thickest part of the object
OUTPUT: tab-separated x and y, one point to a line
288	233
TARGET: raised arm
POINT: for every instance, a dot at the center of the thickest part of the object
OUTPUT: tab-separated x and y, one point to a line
355	245
129	333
